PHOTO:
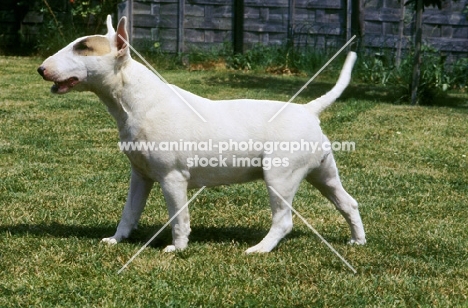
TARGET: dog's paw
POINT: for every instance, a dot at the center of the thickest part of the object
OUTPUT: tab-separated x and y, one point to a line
257	249
266	245
357	242
170	248
109	240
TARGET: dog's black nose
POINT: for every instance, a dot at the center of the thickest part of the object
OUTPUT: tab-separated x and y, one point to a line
41	71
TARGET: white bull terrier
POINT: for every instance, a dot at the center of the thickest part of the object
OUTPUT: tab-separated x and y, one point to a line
147	109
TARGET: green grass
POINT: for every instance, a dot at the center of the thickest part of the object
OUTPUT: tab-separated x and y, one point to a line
63	183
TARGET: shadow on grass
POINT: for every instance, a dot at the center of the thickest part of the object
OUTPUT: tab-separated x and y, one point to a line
290	85
274	84
238	234
399	96
58	230
199	234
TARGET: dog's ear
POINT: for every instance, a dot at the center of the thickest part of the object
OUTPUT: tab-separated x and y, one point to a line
122	37
110	28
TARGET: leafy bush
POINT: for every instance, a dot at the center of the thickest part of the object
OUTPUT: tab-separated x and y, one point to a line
460	74
437	76
197	55
259	56
66	20
375	69
278	58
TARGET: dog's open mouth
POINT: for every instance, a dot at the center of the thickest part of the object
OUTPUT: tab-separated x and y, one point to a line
60	87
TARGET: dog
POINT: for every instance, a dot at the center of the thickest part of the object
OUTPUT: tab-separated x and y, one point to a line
146	109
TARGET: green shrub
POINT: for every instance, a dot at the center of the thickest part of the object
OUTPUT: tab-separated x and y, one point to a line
460	73
375	69
65	20
279	57
257	57
198	55
436	77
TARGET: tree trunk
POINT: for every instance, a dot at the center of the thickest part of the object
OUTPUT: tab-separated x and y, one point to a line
291	11
417	53
357	22
401	28
180	26
238	27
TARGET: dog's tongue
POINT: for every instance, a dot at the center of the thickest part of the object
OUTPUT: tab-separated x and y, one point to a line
64	86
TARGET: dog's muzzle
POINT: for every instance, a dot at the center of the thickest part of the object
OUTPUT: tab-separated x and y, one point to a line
59	86
41	71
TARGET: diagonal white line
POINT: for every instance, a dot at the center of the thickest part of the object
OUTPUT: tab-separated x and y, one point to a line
162	78
315	231
313	77
160	230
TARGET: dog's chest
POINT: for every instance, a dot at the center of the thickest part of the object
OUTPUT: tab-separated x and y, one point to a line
142	149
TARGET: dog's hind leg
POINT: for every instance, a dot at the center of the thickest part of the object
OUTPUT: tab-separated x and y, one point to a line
174	188
281	188
140	188
326	179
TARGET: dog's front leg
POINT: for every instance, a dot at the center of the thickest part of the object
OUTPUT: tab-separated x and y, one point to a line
175	193
140	188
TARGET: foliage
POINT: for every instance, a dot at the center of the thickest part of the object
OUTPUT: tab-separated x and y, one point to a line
259	56
375	69
277	58
66	20
90	16
433	79
460	74
437	76
273	58
206	57
426	3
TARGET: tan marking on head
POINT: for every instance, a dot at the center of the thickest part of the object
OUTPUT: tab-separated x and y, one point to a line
92	46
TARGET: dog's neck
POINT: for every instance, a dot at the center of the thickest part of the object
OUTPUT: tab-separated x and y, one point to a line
124	94
110	92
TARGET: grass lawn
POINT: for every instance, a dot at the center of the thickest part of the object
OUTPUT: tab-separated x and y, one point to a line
63	183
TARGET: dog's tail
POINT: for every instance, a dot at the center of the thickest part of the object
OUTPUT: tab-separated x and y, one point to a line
318	105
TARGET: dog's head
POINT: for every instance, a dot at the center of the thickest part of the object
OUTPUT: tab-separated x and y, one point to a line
87	61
